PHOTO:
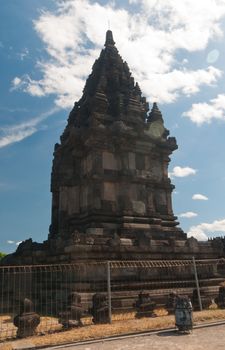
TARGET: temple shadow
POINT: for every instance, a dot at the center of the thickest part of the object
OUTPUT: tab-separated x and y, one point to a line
171	333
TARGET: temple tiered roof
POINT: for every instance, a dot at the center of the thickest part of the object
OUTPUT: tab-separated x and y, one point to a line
110	90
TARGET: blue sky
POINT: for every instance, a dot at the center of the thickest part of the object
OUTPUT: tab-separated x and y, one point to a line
175	50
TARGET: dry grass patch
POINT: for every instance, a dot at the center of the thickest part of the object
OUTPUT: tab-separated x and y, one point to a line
6	346
118	327
105	330
209	315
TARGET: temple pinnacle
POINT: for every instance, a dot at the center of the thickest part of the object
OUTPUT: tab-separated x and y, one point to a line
155	107
155	113
109	39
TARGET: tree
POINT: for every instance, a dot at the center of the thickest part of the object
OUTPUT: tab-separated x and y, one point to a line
2	255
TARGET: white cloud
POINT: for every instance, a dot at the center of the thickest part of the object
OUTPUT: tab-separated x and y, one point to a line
154	32
199	197
12	136
16	82
15	133
182	172
167	87
207	112
14	242
204	230
197	233
27	84
188	215
213	56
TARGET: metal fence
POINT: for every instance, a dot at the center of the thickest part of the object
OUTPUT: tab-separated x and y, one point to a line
47	298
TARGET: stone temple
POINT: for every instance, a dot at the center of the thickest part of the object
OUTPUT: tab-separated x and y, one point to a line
110	172
111	194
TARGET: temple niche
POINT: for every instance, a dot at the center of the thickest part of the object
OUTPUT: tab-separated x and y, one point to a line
110	172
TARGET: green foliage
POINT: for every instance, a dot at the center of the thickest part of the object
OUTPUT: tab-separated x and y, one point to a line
2	255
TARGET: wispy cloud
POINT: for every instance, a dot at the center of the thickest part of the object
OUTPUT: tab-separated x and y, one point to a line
182	171
156	31
205	230
199	197
188	215
14	242
213	56
15	133
24	54
203	112
13	110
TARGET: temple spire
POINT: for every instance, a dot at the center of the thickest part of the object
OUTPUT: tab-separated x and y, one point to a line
109	94
109	39
155	114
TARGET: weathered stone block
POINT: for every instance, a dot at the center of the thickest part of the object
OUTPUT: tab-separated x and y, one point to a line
140	161
109	191
138	207
97	203
84	197
94	231
126	242
131	157
73	200
109	161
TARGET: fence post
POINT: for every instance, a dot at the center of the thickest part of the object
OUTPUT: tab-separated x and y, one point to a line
197	284
109	291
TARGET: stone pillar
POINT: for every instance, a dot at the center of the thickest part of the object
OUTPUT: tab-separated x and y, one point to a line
150	200
169	202
97	164
165	164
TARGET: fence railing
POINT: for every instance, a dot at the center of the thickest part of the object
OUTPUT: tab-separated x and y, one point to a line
46	298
